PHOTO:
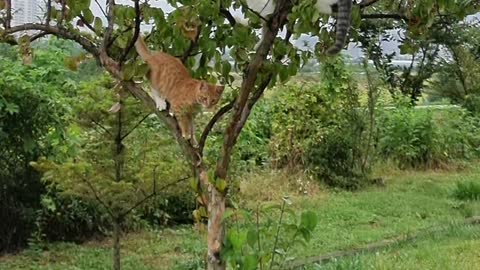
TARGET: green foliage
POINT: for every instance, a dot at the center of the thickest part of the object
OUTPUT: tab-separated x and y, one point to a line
321	127
408	136
252	150
458	78
420	138
119	175
32	124
67	218
469	190
264	238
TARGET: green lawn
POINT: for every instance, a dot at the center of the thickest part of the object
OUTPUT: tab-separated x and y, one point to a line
409	202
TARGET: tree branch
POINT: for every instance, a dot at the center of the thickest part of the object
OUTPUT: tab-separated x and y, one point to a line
89	26
385	16
101	126
135	127
227	15
110	19
49	12
97	197
57	31
8	18
193	45
138	21
153	194
64	8
282	9
101	9
367	3
208	128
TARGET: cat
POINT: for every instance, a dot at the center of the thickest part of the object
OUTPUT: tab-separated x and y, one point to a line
171	80
343	8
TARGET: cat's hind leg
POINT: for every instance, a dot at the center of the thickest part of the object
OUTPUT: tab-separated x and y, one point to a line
160	103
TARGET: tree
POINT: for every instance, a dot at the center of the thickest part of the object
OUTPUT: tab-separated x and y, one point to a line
275	60
32	119
421	29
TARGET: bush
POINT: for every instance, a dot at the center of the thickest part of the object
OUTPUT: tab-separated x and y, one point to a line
169	209
467	191
321	128
419	138
408	137
335	161
32	117
66	218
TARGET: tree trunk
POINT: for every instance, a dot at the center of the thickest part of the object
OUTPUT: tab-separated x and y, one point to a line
216	231
116	245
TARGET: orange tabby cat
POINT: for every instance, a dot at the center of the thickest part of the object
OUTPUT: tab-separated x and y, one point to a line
171	80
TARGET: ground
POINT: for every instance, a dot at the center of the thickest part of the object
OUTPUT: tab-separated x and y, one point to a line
407	203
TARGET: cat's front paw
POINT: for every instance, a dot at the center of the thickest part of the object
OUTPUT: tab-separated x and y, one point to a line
161	105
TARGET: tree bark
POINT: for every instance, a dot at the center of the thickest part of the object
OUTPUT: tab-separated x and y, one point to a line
241	112
116	244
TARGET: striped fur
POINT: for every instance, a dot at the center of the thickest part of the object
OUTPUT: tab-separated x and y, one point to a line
343	8
343	25
171	80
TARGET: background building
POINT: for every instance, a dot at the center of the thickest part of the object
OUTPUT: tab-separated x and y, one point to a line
27	11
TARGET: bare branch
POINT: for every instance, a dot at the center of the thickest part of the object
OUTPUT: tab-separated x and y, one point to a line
101	8
37	36
153	194
227	15
206	131
385	16
136	126
8	19
136	32
100	126
95	194
57	31
110	19
367	3
49	12
89	26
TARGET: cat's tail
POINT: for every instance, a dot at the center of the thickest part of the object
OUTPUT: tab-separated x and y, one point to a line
343	25
142	48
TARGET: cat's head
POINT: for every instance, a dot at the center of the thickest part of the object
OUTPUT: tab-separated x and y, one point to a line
209	94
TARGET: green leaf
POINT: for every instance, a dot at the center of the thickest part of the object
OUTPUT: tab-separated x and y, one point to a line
221	185
250	262
309	220
98	25
88	15
237	239
11	108
252	238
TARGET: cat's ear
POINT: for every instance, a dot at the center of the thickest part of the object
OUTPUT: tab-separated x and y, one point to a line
203	86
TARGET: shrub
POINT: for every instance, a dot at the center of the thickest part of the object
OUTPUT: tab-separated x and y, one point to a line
408	136
335	161
321	128
467	191
66	218
263	239
419	138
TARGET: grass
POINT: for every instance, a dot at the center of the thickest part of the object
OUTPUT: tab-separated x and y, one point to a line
410	201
